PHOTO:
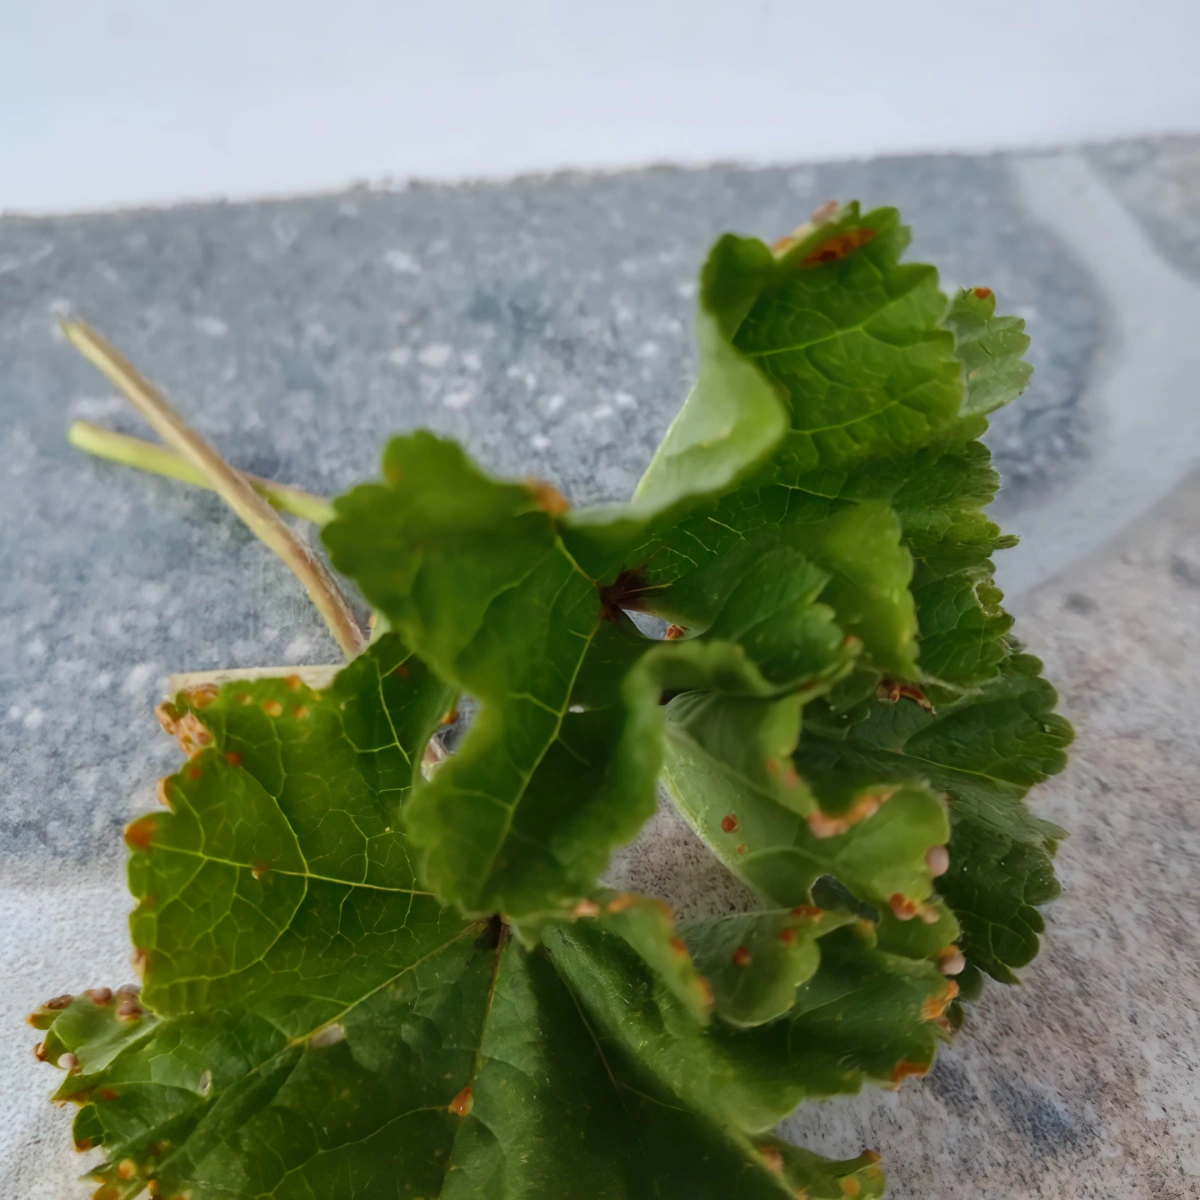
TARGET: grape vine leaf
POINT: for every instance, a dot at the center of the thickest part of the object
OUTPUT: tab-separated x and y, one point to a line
311	1022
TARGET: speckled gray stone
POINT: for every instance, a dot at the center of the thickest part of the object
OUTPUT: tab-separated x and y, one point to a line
546	323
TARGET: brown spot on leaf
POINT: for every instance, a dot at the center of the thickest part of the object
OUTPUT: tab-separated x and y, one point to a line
771	1158
849	1185
904	1068
892	690
679	946
741	848
59	1001
462	1104
138	833
300	712
126	1168
100	996
39	1052
982	293
674	633
233	758
294	683
83	1144
259	869
934	1006
547	497
448	718
729	823
838	247
787	936
950	960
741	957
866	804
107	1093
193	772
402	671
202	695
272	708
807	912
904	908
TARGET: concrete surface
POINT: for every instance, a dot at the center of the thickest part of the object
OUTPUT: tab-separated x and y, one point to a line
546	324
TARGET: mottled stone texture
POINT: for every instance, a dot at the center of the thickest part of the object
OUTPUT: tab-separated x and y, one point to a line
546	323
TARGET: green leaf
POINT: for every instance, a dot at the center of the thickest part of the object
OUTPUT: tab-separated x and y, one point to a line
755	961
984	752
991	349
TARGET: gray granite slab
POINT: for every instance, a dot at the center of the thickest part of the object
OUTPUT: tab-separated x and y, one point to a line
546	323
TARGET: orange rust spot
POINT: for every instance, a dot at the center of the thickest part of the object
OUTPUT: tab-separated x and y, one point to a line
822	825
294	683
272	708
674	633
39	1052
586	908
167	715
892	690
233	758
771	1158
402	671
450	717
300	712
950	960
462	1104
547	497
259	869
787	936
838	247
245	698
741	957
729	823
935	1006
202	695
741	849
808	912
83	1144
904	908
982	293
126	1168
194	772
107	1093
138	833
849	1185
679	946
100	996
620	903
904	1068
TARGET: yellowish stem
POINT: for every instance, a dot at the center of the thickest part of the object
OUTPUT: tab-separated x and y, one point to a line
233	488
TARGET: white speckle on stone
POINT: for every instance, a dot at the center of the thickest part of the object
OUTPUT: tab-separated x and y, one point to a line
96	408
402	262
436	354
648	350
540	441
472	361
137	679
34	718
211	326
14	712
102	681
462	396
35	648
401	356
555	402
601	411
624	400
298	647
440	246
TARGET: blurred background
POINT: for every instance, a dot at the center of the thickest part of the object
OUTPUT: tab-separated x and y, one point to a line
107	103
316	224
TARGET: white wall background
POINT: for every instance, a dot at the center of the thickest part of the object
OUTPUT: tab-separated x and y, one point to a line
117	102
